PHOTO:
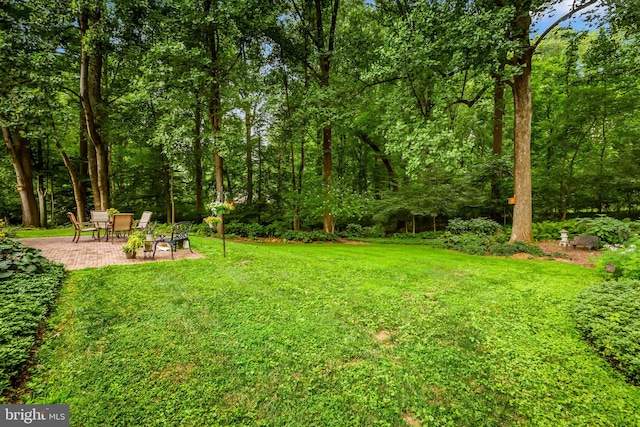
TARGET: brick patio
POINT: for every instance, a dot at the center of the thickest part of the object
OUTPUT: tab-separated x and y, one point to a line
91	253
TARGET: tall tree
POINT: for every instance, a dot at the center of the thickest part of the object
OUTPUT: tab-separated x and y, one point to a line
319	20
25	57
92	51
520	32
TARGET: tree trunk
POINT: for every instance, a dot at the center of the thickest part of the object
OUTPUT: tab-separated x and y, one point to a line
20	154
498	125
78	189
41	190
249	154
325	50
215	116
523	209
498	117
385	160
172	199
523	110
197	153
92	105
601	177
327	178
80	186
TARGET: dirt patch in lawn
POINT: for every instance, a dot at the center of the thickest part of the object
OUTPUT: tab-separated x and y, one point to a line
580	256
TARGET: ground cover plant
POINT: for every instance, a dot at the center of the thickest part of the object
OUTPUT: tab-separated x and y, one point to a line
28	288
609	316
621	261
328	335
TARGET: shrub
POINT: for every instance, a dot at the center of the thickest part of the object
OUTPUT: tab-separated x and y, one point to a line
309	236
475	244
507	249
609	317
550	230
375	231
16	258
237	228
5	230
621	261
608	230
276	229
354	230
472	244
203	229
27	295
254	230
479	226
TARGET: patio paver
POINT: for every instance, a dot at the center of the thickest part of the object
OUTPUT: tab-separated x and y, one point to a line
91	253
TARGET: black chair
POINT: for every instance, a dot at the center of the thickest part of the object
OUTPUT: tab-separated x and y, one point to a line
179	234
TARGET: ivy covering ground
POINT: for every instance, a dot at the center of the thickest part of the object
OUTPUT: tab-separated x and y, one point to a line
609	316
28	289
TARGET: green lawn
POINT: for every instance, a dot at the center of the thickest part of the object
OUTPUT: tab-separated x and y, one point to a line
328	335
24	233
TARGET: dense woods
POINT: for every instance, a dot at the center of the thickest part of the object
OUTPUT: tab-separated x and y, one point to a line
319	113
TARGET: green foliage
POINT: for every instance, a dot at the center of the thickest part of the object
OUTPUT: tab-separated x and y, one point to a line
609	230
355	231
427	235
202	229
472	244
476	244
27	296
608	315
621	261
550	230
309	236
479	226
250	230
508	249
17	258
275	229
6	231
134	242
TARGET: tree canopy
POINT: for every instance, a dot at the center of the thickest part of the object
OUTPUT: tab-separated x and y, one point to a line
320	113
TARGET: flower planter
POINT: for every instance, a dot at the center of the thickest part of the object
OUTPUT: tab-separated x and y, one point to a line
130	255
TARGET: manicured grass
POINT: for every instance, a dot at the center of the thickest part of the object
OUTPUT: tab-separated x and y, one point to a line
328	335
23	233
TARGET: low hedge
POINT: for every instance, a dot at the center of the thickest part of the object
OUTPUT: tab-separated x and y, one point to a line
29	285
475	244
608	315
309	236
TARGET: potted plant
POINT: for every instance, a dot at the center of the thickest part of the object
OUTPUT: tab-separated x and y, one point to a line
219	208
212	221
134	243
150	236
